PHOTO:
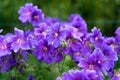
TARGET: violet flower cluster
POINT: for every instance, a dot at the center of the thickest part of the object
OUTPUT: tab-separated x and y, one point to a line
50	39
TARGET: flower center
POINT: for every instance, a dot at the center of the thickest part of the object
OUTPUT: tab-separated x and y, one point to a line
36	17
99	62
117	74
96	38
28	13
77	54
87	42
45	49
69	41
4	46
44	33
113	46
56	34
19	41
91	66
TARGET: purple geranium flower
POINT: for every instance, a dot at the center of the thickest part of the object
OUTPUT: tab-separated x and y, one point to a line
111	72
117	32
72	39
55	35
43	51
86	45
117	37
31	38
111	56
78	22
112	42
19	41
80	75
25	12
6	62
93	75
96	37
116	76
36	17
4	65
50	21
74	75
30	77
72	42
95	61
57	55
41	30
109	53
5	46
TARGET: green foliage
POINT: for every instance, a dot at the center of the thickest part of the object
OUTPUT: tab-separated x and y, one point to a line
40	70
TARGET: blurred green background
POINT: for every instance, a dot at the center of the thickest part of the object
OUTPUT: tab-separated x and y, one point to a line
100	13
104	14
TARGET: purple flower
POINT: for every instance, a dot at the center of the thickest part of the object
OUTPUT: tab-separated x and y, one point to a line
47	53
50	21
19	41
86	45
25	12
36	17
73	42
57	55
72	39
111	72
95	61
112	42
78	22
116	76
6	62
31	38
24	55
43	51
111	56
30	77
21	70
80	75
93	75
109	53
55	35
74	75
117	37
5	46
41	30
73	32
4	67
117	32
58	78
96	37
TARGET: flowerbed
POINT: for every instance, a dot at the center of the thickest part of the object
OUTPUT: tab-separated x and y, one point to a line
52	41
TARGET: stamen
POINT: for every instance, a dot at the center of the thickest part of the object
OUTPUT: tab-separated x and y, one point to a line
36	17
19	41
91	66
3	46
